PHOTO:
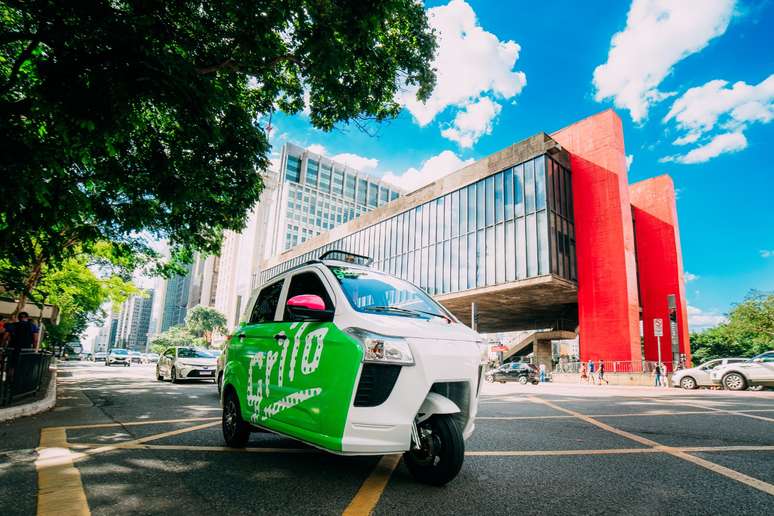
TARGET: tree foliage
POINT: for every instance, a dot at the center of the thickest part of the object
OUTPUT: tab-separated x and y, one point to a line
748	331
175	336
126	119
203	321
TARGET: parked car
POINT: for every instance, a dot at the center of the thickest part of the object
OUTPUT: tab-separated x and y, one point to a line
754	372
186	363
514	372
118	356
701	376
357	362
150	358
100	356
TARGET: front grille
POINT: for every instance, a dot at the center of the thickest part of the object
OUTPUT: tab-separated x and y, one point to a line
376	384
196	374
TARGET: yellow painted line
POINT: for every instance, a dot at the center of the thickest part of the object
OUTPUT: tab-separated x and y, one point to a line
726	411
180	447
691	449
369	493
141	422
549	453
634	414
717	468
60	490
111	447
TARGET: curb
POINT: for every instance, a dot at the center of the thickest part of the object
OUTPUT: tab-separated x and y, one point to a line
36	407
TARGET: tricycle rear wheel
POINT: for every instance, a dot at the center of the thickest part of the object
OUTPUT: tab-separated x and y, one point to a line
443	449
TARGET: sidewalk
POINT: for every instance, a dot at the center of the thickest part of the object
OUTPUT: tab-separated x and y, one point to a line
43	400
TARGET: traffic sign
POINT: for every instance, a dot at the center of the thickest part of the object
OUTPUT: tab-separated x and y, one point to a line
658	327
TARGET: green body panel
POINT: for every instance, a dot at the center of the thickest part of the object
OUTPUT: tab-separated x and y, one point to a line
301	386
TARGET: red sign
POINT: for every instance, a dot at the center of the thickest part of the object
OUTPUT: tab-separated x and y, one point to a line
499	348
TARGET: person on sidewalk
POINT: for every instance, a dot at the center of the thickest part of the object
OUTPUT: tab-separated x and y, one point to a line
657	372
592	378
22	334
542	373
601	373
584	377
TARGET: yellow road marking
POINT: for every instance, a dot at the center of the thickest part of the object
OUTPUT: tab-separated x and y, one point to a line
140	422
727	411
369	493
722	470
60	490
548	453
634	414
180	447
141	440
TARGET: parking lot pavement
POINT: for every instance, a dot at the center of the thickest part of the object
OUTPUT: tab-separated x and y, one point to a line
120	442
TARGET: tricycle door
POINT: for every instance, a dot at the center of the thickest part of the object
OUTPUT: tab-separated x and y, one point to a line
318	365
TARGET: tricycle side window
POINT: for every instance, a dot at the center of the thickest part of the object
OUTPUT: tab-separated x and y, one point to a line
266	304
307	283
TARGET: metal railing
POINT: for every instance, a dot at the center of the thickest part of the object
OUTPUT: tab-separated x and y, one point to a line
21	373
615	366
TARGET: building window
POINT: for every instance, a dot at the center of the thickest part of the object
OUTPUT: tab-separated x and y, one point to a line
338	182
325	178
293	170
373	195
349	190
312	169
393	195
362	191
384	195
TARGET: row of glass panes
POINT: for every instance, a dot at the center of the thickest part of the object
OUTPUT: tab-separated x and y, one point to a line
509	195
337	182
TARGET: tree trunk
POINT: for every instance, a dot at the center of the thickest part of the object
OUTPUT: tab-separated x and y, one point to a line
29	285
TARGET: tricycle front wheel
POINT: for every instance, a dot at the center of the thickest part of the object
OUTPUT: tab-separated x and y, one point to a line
442	451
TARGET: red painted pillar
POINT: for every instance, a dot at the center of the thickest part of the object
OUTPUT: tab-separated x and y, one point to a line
608	304
660	263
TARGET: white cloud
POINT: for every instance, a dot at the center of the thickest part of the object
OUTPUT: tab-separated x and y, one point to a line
767	253
658	34
472	122
471	64
689	277
702	110
355	161
317	149
629	161
720	144
432	169
699	319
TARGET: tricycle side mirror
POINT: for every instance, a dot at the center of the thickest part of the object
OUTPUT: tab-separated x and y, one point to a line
309	307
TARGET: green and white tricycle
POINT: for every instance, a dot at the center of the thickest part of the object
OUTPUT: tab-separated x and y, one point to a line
355	362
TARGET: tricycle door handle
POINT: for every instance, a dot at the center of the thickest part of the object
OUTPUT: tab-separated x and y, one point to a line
280	336
241	336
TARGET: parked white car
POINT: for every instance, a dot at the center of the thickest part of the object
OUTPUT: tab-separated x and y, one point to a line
700	376
757	371
186	363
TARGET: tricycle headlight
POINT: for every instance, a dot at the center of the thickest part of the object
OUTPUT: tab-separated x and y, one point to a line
382	349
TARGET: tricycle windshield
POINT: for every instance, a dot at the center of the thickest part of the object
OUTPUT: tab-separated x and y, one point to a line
374	292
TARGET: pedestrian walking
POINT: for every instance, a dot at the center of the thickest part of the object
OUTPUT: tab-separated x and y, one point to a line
658	374
542	373
592	377
584	377
602	372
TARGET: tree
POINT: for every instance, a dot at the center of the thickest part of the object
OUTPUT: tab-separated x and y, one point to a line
126	119
203	321
175	336
79	293
748	332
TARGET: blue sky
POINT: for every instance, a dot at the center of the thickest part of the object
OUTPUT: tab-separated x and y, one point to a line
694	72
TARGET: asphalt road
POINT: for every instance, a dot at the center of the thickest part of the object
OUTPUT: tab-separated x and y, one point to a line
547	449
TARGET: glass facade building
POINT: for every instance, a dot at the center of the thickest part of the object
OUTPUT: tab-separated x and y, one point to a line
508	226
319	194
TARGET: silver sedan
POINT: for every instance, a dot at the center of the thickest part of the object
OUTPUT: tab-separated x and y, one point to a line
700	376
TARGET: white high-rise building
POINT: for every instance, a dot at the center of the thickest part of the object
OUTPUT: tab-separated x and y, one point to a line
310	194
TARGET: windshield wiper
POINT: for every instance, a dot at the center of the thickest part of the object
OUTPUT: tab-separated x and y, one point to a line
407	311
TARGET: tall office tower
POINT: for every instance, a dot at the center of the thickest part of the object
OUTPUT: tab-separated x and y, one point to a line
175	302
134	322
